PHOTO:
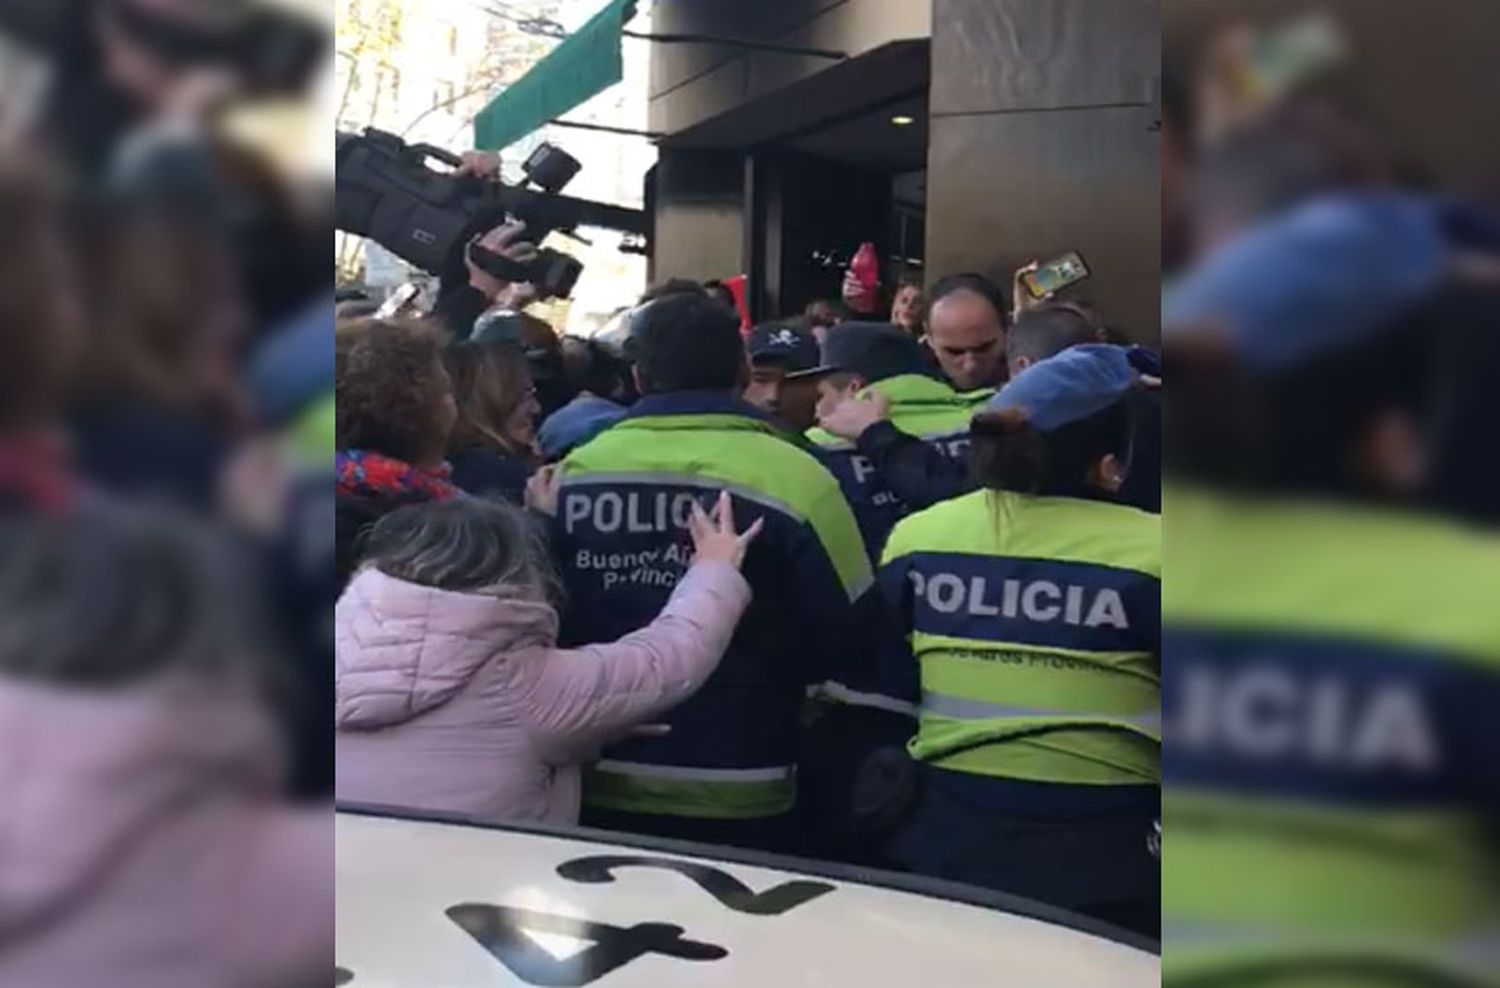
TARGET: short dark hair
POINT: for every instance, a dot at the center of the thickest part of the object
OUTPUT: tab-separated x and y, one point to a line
834	304
970	281
717	289
1042	333
686	342
1008	454
672	286
591	366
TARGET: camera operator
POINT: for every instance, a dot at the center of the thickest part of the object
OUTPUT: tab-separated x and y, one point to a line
481	236
464	297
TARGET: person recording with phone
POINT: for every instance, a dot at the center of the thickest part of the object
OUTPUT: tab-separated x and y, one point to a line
968	317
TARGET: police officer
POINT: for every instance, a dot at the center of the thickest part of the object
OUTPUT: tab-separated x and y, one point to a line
861	360
1332	646
727	770
1031	613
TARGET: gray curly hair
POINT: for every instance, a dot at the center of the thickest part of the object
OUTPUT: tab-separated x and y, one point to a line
468	545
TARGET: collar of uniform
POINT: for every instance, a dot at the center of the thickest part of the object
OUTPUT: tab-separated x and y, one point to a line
926	390
696	403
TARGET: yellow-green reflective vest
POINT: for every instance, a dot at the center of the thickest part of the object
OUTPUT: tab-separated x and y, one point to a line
1035	622
1329	686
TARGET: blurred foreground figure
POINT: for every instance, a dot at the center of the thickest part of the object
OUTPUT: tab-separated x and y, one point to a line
156	406
136	102
119	65
143	841
1331	644
39	341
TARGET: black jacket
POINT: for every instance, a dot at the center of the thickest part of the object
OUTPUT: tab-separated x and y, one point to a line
485	472
459	306
921	476
914	470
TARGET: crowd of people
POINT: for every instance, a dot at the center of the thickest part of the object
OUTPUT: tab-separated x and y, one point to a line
876	584
166	514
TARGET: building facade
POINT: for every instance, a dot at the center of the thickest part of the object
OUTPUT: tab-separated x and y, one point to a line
958	135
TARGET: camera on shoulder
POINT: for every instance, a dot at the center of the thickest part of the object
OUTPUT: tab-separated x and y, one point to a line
388	191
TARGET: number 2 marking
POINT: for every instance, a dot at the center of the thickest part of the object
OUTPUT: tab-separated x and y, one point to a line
728	890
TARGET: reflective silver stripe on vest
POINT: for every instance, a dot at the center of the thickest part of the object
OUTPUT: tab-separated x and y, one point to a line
839	693
677	773
963	708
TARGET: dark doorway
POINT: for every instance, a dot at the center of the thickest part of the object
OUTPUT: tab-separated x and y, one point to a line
860	178
828	211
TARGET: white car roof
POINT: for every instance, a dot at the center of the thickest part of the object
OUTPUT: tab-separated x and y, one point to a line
462	905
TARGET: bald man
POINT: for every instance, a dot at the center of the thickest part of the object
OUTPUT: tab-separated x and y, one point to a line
966	329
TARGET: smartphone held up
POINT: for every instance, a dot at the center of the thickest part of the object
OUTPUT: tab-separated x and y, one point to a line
1049	278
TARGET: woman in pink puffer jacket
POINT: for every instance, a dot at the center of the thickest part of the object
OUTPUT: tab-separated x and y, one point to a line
451	691
144	838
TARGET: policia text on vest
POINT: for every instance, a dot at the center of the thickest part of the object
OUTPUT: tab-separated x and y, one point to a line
1032	659
1034	623
730	759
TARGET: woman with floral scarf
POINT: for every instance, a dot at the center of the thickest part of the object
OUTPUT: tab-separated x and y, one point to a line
395	412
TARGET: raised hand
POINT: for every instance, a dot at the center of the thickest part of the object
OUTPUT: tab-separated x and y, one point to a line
542	488
851	417
505	240
714	537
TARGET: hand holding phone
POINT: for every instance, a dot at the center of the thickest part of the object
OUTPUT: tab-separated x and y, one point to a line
399	302
1045	280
